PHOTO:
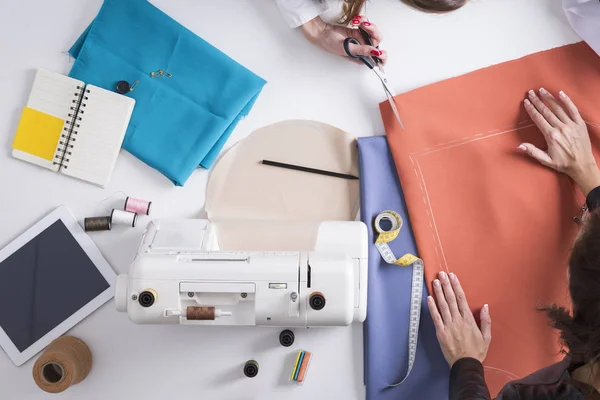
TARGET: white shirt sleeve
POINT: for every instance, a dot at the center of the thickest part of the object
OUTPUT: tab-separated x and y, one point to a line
299	12
584	16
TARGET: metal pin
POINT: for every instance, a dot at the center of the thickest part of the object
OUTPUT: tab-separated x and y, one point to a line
160	73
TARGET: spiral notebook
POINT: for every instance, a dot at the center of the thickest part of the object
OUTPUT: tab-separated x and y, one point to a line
72	128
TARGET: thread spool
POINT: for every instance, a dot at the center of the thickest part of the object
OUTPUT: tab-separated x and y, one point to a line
200	313
120	217
138	206
286	338
123	87
205	313
66	362
316	301
147	298
96	224
251	369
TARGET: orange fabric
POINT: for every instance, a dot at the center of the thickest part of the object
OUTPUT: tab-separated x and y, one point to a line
479	208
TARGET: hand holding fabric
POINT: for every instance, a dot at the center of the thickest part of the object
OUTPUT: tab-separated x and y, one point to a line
455	325
569	147
331	37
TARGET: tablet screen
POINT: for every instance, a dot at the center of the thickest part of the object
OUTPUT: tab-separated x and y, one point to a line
45	282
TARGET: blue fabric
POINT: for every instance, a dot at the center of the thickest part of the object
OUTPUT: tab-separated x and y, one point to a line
179	123
386	327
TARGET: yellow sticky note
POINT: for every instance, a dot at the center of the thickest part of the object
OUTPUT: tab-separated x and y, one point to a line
38	133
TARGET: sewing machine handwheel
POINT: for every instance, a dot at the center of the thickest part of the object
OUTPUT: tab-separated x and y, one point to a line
317	301
286	338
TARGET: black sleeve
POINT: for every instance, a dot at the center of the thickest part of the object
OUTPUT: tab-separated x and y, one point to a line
593	199
509	392
467	382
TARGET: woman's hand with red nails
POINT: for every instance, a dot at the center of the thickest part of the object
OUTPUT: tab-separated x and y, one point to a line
331	37
372	30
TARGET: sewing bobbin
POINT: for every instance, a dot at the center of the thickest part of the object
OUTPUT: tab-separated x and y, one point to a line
119	217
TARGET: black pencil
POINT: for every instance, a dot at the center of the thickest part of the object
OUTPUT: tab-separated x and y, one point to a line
309	170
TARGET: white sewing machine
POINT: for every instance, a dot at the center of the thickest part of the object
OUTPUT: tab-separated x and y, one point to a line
179	277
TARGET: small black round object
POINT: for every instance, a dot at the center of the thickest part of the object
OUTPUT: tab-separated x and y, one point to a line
146	298
251	369
286	338
123	87
317	301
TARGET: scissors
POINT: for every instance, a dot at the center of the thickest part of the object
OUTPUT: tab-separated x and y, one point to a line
373	62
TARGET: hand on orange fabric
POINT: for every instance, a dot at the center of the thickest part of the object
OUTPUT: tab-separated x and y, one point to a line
455	326
331	37
569	147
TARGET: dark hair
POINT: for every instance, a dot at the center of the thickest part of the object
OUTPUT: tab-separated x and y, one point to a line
353	8
580	330
436	5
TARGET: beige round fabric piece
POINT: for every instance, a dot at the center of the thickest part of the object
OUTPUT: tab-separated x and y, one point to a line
260	207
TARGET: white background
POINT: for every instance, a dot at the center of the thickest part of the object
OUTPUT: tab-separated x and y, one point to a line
160	362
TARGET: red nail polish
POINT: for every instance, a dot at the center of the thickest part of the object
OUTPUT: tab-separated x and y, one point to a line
367	24
376	52
357	17
355	22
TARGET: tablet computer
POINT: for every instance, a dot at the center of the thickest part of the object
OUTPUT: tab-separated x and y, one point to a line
51	277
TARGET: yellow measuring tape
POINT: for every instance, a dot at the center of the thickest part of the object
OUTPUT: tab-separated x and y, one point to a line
384	237
388	236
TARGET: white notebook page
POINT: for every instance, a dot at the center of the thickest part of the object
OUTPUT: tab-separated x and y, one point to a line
97	141
52	94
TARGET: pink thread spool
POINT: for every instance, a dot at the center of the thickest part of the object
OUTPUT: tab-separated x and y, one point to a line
138	206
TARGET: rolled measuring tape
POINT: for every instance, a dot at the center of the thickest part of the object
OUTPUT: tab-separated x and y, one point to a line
416	292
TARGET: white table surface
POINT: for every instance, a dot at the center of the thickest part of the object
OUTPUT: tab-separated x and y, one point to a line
160	362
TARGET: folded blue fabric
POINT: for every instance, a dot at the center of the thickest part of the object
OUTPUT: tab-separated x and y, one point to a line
179	123
386	328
